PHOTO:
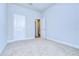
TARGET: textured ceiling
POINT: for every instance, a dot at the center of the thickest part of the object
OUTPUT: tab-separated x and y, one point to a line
37	6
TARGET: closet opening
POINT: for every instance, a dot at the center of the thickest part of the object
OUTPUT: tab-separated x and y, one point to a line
37	28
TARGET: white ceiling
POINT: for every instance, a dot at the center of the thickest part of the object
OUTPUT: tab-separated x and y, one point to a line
37	6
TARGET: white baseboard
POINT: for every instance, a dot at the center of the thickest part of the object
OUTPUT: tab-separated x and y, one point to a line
63	42
10	41
2	49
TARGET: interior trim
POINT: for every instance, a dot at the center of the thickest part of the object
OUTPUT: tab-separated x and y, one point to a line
3	49
11	41
63	42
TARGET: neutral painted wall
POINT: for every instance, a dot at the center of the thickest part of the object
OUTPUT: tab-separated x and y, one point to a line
77	22
61	23
43	25
30	15
3	26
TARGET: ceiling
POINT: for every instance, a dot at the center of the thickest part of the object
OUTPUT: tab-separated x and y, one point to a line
37	6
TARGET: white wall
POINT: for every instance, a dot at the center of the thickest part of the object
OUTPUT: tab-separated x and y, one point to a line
61	24
77	22
30	15
3	26
43	25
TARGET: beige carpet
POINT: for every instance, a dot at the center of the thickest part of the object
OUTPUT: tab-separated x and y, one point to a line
39	47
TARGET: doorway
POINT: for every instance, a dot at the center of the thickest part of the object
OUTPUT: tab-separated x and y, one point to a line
37	28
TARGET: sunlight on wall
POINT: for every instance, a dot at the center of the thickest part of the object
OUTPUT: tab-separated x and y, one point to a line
19	27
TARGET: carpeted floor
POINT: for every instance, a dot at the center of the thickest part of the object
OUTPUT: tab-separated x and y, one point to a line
39	47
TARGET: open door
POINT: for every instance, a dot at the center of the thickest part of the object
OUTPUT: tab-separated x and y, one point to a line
37	28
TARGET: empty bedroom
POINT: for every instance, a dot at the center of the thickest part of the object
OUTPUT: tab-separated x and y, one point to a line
39	29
